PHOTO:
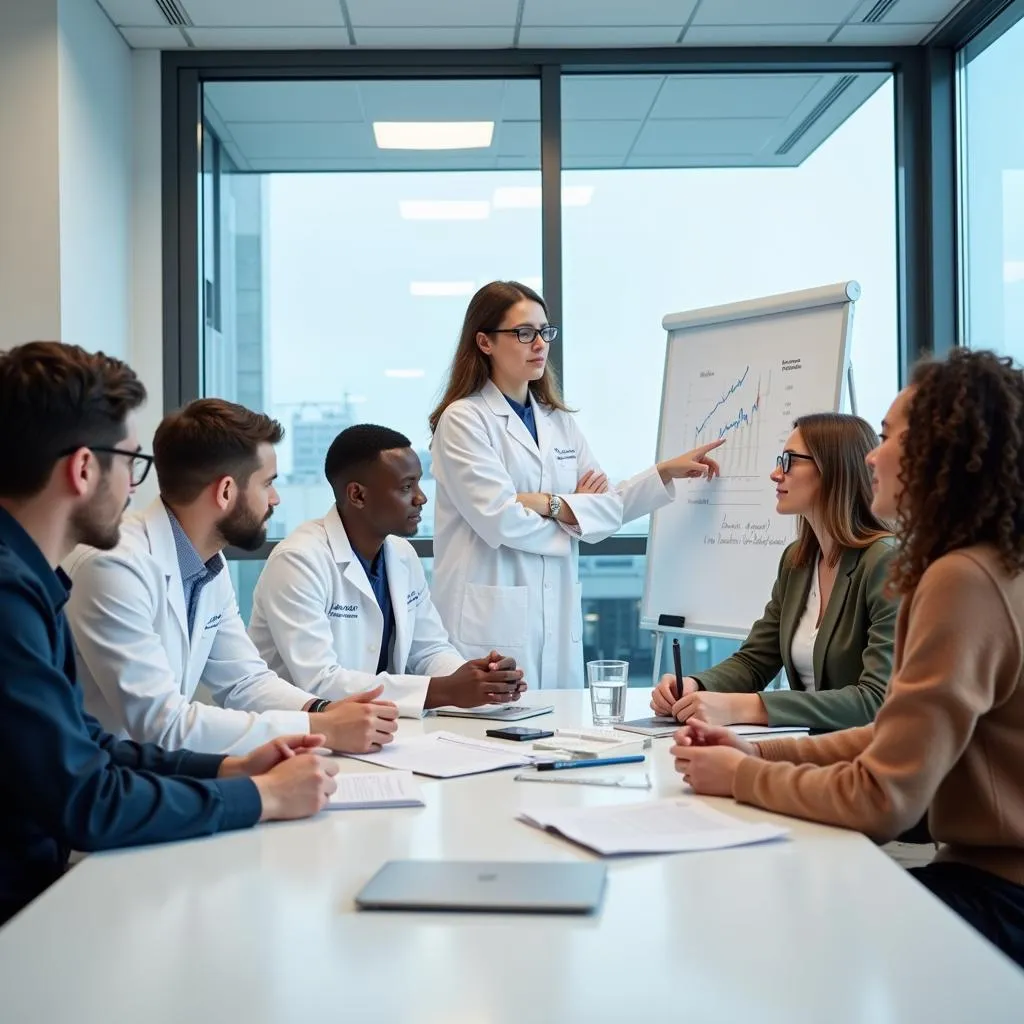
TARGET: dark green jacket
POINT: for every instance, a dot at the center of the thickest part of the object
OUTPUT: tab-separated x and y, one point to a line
852	654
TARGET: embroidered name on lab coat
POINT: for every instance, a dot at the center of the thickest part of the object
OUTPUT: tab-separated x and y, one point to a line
343	611
414	597
565	454
213	622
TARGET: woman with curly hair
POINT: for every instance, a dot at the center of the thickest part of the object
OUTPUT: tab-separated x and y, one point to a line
949	738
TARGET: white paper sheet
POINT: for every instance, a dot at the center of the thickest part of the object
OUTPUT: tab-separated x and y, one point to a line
657	826
375	789
445	755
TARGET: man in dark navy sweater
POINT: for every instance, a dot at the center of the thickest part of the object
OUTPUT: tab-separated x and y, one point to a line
71	460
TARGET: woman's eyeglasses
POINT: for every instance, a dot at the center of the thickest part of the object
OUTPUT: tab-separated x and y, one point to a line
785	460
526	335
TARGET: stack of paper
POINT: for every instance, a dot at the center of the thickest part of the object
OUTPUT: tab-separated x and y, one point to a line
769	732
658	826
375	789
445	755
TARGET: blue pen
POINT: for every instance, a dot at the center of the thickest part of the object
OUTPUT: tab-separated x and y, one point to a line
594	762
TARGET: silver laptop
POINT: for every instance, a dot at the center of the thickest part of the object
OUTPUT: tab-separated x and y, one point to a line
529	887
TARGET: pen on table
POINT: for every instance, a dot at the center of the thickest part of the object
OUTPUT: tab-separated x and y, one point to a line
594	762
677	662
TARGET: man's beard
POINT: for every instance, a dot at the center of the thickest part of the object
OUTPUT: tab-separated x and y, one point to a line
95	524
242	528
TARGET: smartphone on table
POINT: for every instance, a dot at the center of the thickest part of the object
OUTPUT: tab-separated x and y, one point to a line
520	732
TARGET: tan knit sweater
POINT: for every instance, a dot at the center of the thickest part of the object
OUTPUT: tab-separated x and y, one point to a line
949	738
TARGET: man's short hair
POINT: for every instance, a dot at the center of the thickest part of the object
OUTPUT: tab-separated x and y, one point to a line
55	398
354	449
206	440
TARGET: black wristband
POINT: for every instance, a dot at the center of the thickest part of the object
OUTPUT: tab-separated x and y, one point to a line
317	706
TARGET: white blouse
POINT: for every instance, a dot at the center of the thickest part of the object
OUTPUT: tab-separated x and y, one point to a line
802	650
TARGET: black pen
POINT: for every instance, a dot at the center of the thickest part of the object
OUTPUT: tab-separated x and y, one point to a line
677	661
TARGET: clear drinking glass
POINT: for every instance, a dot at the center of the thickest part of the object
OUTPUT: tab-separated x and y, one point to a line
608	680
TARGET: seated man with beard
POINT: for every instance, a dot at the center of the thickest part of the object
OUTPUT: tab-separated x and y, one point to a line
155	616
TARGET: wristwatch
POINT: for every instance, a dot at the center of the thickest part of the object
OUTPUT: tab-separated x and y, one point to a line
554	505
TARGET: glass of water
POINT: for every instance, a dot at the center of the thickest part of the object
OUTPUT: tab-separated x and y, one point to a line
608	681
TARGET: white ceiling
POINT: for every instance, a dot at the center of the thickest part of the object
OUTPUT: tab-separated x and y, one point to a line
455	24
753	120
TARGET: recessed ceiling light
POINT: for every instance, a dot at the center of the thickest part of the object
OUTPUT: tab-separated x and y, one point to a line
528	197
433	134
441	289
445	209
405	374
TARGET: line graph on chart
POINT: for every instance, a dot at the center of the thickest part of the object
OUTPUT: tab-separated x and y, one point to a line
739	405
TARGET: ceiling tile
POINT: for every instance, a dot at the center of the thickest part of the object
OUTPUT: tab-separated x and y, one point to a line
882	35
757	35
773	12
604	97
309	141
521	100
910	12
519	139
649	35
255	13
516	163
587	138
607	12
731	96
301	164
165	38
285	101
433	36
700	137
269	38
437	13
134	12
432	101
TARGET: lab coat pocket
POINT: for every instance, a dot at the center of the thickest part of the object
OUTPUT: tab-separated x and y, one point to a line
494	616
576	629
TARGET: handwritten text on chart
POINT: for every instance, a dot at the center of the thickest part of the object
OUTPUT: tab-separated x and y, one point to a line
746	533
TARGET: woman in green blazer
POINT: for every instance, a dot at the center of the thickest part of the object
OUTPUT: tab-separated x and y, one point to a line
830	620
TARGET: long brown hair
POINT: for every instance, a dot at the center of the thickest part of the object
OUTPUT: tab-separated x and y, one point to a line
962	464
471	369
839	444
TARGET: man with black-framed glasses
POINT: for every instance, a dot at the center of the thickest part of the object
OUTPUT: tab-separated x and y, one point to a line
67	417
156	616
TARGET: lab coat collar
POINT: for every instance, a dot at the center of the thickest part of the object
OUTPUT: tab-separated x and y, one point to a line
498	405
160	538
343	554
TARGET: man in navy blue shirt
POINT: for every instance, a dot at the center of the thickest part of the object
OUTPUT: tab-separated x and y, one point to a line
71	461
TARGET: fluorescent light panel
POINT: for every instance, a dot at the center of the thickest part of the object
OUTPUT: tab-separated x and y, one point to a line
441	289
405	374
433	134
445	209
528	197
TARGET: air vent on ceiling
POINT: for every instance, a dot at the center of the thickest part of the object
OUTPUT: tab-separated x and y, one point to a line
820	107
174	13
878	12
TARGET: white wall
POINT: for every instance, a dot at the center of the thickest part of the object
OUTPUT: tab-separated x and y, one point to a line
95	96
29	190
146	352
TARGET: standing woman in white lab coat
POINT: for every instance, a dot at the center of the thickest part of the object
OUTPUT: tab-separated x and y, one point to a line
517	490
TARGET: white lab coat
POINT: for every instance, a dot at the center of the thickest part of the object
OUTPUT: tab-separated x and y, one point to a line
138	666
504	577
316	621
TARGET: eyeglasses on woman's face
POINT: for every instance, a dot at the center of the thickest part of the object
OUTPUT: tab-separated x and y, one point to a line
527	335
785	460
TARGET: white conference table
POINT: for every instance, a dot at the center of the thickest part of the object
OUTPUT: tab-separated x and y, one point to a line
259	926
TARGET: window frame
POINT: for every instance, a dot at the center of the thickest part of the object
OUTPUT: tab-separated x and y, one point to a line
924	175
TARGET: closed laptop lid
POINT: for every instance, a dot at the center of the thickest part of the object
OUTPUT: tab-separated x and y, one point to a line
503	886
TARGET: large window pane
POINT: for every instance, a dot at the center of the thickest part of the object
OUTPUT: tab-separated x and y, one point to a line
346	264
992	195
690	191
